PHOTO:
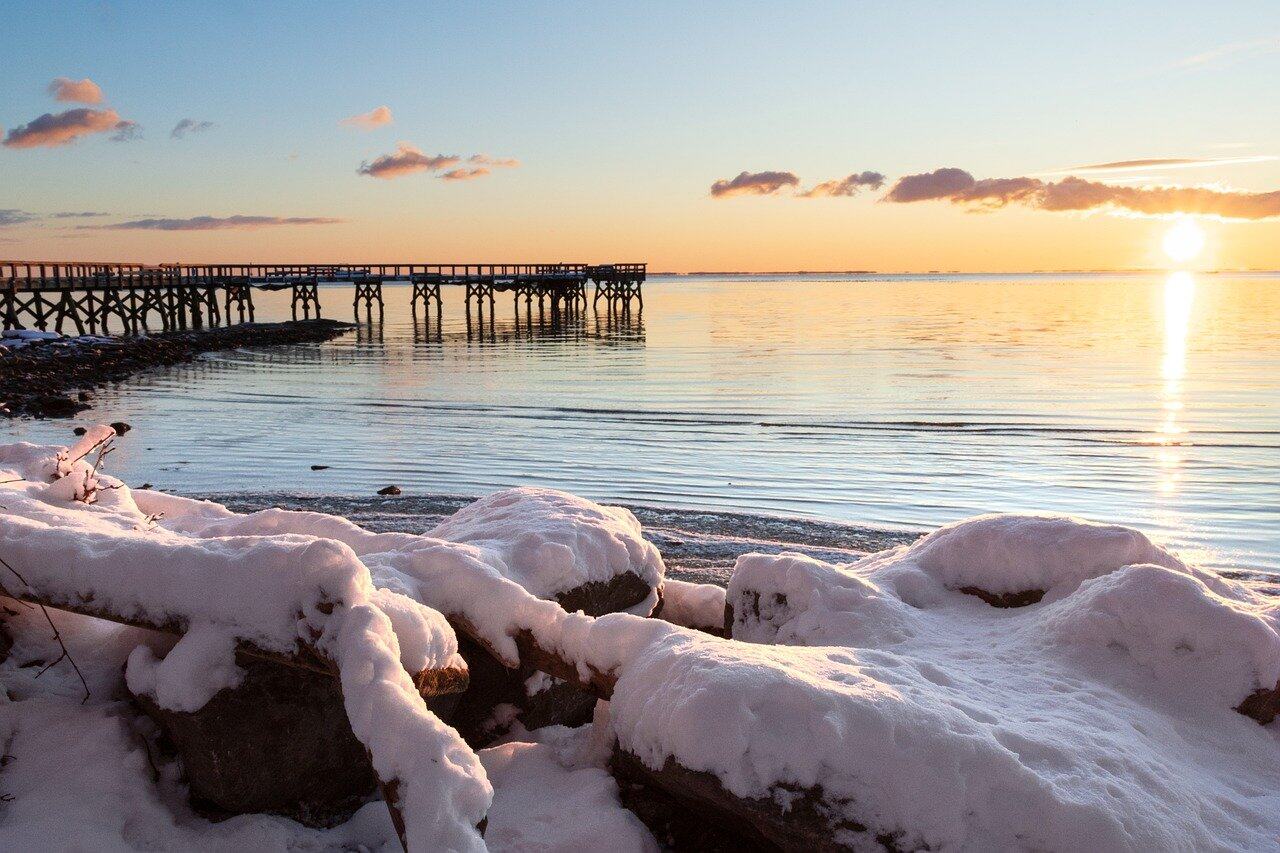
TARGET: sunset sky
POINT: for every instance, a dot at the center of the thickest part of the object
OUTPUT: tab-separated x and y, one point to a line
537	131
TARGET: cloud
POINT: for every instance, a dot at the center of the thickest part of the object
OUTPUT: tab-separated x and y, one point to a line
940	183
754	183
76	91
13	216
405	161
1266	44
51	130
1080	195
1162	163
847	186
77	214
212	223
190	125
126	131
376	117
464	174
499	162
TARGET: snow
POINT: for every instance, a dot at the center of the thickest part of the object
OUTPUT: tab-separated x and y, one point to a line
693	605
16	339
555	795
279	592
196	668
1102	717
550	541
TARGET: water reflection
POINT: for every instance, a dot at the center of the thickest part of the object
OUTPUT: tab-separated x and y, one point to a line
1179	300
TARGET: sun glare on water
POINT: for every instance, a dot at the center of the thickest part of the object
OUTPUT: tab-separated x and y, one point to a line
1183	241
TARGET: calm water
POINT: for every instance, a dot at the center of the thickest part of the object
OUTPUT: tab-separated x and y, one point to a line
880	400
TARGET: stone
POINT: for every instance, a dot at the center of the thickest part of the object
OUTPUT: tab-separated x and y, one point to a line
279	743
498	697
389	490
120	427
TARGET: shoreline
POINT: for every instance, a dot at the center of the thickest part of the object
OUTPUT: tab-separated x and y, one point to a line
53	377
700	546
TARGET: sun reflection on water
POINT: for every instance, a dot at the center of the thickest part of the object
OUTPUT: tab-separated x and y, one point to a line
1179	300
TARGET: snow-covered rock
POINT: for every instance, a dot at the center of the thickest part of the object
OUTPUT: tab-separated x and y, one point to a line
1101	718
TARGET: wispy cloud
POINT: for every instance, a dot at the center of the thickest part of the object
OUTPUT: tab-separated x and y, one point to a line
54	129
376	117
408	159
1078	194
1161	163
77	214
498	162
126	131
75	91
1266	44
847	186
213	223
754	183
464	174
12	216
190	125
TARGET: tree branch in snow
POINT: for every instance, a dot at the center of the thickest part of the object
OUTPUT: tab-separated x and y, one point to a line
56	636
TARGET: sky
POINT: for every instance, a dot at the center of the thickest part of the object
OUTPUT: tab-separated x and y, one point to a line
708	136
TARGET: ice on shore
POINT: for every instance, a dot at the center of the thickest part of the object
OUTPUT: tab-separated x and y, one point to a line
1101	717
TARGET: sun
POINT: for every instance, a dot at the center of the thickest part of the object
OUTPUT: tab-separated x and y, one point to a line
1183	241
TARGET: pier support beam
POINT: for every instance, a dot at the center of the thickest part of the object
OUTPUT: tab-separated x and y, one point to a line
306	295
368	292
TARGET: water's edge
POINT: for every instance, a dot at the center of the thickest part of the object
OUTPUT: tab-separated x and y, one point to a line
697	545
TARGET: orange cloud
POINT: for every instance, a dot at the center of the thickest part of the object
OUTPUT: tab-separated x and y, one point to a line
754	183
1077	194
406	160
76	91
847	186
376	117
212	223
464	174
51	130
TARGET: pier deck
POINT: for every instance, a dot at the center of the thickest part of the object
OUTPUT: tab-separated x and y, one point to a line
89	296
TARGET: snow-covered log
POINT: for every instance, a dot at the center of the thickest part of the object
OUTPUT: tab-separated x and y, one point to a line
302	599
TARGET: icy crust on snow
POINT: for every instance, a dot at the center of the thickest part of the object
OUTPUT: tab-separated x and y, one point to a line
1100	718
275	591
550	541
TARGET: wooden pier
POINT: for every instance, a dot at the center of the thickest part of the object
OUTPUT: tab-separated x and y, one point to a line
88	297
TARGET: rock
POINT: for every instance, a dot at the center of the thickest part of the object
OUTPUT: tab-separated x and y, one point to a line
78	431
692	810
389	490
145	486
499	697
1005	599
120	427
319	467
279	743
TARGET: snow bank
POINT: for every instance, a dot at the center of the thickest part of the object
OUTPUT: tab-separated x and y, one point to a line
693	605
1101	718
550	541
555	795
281	593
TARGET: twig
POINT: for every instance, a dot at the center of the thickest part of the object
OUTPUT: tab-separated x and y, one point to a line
66	653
